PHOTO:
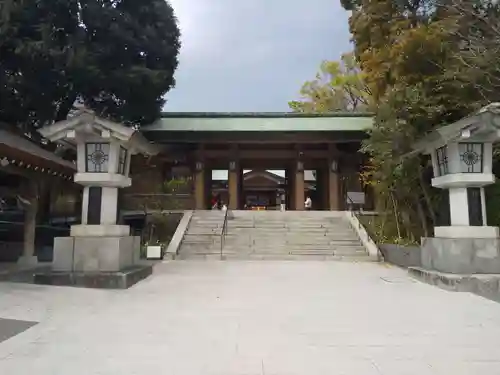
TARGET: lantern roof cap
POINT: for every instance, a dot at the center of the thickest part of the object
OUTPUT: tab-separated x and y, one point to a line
85	121
480	126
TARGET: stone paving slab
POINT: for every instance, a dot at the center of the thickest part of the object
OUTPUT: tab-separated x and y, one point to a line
248	318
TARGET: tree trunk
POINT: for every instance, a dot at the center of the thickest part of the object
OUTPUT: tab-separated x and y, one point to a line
30	228
29	194
427	198
422	217
396	216
407	220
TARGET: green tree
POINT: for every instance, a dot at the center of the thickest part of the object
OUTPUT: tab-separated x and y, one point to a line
339	86
116	56
408	52
476	30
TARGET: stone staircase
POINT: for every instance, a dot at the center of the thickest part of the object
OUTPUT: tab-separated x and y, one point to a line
203	235
315	235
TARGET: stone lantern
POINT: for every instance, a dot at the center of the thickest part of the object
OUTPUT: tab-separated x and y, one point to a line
461	156
104	149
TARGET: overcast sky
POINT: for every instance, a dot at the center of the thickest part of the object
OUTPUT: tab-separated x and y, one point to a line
240	55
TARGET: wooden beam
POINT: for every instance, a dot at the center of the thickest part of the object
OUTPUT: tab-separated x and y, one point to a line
266	154
270	140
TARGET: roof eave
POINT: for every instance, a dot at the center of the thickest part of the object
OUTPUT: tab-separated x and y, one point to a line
261	114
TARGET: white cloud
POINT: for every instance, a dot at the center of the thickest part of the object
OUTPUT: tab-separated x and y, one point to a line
252	55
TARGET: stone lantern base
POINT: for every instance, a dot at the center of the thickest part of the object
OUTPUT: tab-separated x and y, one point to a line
92	260
462	264
461	255
95	254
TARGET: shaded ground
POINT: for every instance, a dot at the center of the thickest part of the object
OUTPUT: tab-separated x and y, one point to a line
259	317
12	327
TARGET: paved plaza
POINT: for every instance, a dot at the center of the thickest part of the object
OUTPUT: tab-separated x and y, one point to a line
236	318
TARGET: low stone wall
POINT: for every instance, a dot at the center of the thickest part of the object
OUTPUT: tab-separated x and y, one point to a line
403	256
487	286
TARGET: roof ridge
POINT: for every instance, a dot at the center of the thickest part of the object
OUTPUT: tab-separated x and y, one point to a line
261	114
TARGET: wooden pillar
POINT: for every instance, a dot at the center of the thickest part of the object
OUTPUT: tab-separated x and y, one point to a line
333	179
322	186
241	192
333	186
199	186
299	186
30	194
208	187
334	190
291	189
234	182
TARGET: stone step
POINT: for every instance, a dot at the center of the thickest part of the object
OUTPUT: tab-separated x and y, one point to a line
329	244
288	257
285	241
288	224
277	250
270	254
270	230
283	245
288	231
186	242
301	214
273	235
297	238
286	250
205	224
292	222
301	231
202	234
211	226
288	247
203	231
285	232
283	238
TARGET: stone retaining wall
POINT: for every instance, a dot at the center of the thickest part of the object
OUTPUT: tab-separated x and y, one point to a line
403	256
487	286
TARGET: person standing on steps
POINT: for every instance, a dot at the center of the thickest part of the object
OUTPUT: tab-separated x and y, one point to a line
282	202
308	203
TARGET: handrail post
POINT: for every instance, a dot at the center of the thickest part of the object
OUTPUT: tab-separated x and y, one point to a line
223	233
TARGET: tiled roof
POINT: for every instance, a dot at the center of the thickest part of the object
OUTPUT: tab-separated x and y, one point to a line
25	145
252	122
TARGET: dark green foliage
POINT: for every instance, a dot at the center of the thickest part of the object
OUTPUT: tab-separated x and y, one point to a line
116	56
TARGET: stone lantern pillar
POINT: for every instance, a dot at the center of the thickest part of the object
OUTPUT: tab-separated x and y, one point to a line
461	156
463	168
104	148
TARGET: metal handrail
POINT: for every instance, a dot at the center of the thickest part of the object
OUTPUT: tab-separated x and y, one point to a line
223	232
352	202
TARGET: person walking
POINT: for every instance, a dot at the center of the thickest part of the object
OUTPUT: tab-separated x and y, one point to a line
308	203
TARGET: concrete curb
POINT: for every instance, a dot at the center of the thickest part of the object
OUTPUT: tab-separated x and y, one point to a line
370	245
175	243
484	285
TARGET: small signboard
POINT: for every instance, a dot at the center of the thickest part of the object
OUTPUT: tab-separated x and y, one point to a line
153	252
355	197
